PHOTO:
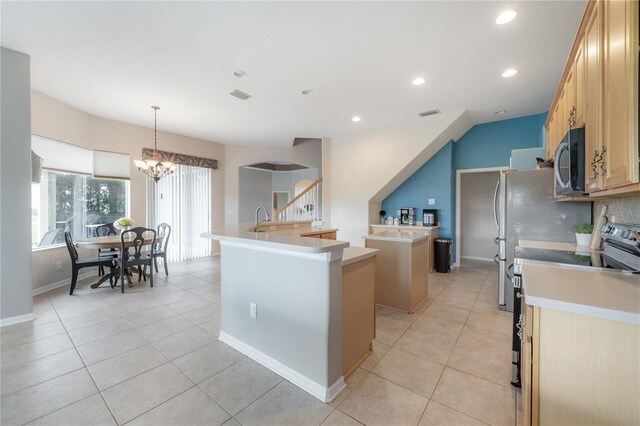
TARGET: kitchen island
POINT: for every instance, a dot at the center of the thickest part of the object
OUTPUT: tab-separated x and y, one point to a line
431	231
281	304
401	270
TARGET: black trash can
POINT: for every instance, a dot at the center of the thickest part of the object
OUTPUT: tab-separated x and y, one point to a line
443	254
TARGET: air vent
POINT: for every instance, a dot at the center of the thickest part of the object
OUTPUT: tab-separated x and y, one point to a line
428	113
240	95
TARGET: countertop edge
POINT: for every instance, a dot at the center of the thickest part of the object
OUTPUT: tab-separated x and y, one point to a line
378	237
593	311
284	241
377	225
364	253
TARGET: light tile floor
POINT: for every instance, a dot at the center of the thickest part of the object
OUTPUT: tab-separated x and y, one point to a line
151	356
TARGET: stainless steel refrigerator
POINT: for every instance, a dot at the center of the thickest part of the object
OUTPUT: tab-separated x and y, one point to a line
524	209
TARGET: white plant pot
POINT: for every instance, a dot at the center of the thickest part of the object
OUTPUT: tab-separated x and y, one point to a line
583	240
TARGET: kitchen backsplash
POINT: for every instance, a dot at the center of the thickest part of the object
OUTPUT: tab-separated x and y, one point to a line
624	210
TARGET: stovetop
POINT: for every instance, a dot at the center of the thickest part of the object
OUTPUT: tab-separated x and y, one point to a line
621	252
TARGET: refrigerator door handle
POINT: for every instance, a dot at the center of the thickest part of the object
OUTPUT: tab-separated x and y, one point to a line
501	288
495	204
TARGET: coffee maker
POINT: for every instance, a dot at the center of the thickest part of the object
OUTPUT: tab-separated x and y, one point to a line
407	216
429	217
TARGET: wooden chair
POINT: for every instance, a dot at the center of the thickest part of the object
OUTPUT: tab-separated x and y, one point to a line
77	263
160	250
137	257
104	231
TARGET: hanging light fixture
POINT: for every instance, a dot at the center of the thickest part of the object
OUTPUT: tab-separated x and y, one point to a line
154	167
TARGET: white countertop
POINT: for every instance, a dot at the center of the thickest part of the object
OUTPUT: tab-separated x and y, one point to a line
400	237
355	254
417	225
317	230
239	233
555	245
598	293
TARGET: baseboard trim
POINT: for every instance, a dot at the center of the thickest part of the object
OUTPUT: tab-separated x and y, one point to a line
484	259
324	394
53	286
16	320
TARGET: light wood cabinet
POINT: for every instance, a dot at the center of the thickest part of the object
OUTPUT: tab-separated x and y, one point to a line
601	80
578	369
620	93
593	99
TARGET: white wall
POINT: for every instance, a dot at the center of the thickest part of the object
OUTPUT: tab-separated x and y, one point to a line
367	166
477	229
307	154
56	120
15	187
255	191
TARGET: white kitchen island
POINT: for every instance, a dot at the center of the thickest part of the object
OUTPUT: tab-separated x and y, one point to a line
281	304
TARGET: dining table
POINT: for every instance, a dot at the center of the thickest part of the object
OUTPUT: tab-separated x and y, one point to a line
113	242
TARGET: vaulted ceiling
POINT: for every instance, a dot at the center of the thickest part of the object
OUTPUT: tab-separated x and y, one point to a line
116	59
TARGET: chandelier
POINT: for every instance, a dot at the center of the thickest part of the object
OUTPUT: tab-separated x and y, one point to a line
154	167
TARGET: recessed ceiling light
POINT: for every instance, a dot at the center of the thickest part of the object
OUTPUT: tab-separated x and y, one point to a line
510	72
239	74
418	81
502	111
506	17
355	119
307	92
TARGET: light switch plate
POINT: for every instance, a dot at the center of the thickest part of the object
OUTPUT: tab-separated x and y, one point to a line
431	201
253	310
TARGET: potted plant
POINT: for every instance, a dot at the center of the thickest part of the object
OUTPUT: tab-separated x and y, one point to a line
383	213
583	234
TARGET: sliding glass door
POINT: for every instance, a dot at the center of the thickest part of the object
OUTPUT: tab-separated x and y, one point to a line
183	200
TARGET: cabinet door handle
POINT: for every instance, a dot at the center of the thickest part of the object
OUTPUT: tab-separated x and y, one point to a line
594	164
601	160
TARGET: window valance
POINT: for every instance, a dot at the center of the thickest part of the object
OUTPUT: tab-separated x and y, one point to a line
187	160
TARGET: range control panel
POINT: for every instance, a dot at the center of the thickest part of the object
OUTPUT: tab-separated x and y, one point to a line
622	235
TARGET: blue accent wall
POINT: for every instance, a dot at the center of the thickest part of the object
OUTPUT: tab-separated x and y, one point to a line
432	180
484	145
490	144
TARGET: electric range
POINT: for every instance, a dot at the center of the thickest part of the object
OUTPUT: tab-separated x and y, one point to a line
621	253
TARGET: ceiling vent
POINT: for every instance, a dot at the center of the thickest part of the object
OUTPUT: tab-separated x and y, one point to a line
428	113
240	95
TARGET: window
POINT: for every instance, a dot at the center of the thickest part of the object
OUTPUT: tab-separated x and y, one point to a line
78	202
183	200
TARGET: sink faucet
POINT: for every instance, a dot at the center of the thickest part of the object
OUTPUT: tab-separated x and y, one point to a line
266	213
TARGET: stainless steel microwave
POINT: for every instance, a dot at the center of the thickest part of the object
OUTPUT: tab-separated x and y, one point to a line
569	164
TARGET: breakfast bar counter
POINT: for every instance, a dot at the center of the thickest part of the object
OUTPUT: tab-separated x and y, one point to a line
281	304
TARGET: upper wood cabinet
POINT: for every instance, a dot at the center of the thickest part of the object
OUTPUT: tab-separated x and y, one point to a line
620	101
593	99
601	81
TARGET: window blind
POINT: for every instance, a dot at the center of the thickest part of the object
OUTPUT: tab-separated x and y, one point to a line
111	165
62	156
65	157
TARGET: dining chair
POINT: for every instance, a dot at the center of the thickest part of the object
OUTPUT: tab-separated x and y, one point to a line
77	263
139	258
160	250
104	231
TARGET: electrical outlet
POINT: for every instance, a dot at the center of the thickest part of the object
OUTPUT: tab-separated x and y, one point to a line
431	201
253	310
59	265
273	228
296	225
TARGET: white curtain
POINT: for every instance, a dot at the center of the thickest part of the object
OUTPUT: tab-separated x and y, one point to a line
183	200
